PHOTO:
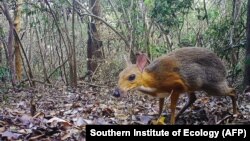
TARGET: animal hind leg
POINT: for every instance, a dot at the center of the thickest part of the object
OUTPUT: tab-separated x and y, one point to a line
228	91
222	89
233	97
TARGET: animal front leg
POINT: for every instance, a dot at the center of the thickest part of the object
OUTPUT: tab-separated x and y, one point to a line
191	100
174	100
160	119
161	104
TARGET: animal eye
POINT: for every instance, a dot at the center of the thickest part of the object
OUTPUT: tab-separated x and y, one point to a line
131	77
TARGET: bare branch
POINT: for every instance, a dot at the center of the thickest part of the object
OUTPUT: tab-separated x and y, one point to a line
99	18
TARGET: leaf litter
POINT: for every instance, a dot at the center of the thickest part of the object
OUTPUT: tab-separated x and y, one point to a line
50	113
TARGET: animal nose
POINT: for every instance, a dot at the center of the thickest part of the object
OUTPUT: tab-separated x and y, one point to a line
117	92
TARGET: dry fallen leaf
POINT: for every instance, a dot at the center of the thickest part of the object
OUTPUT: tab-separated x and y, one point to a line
26	119
66	135
159	121
76	105
25	131
39	115
145	119
107	112
10	135
2	129
55	121
80	122
122	116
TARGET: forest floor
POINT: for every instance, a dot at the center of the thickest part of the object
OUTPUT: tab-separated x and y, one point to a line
60	113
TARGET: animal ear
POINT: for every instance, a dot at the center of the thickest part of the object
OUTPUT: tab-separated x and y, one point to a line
141	61
127	60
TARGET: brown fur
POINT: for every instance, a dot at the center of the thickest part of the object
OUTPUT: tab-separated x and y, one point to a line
183	70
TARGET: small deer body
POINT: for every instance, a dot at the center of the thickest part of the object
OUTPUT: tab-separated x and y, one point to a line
184	70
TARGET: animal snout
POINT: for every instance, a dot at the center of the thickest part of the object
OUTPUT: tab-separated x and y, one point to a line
119	92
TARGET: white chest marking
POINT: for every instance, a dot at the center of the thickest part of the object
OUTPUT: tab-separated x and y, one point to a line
146	89
152	91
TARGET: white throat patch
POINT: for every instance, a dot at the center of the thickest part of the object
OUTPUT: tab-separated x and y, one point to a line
152	91
147	89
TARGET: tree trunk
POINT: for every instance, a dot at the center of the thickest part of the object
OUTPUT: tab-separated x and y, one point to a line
42	56
73	73
247	59
18	59
94	43
10	43
233	36
205	9
1	48
29	72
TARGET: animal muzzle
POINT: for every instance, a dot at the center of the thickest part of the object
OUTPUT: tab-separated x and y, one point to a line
118	92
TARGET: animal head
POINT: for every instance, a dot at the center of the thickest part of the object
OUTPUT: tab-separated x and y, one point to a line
131	77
